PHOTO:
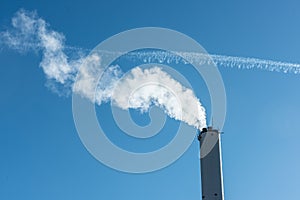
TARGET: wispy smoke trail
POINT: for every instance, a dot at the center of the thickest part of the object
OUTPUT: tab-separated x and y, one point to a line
138	89
31	33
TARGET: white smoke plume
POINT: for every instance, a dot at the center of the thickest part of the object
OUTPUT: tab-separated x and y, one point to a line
142	88
138	89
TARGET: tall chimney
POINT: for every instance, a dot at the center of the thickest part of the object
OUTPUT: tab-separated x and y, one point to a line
211	164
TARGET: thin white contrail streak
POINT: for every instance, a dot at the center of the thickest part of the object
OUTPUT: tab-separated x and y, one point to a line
247	63
255	63
201	58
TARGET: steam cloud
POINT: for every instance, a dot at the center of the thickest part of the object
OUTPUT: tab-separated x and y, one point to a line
142	88
138	89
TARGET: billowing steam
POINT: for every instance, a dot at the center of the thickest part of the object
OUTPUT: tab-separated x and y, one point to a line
138	89
142	88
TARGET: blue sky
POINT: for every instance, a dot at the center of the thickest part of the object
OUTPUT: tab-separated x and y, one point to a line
42	156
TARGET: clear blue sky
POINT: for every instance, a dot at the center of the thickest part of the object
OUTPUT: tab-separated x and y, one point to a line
42	156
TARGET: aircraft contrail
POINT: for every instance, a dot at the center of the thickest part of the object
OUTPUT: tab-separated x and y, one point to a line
255	63
201	58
